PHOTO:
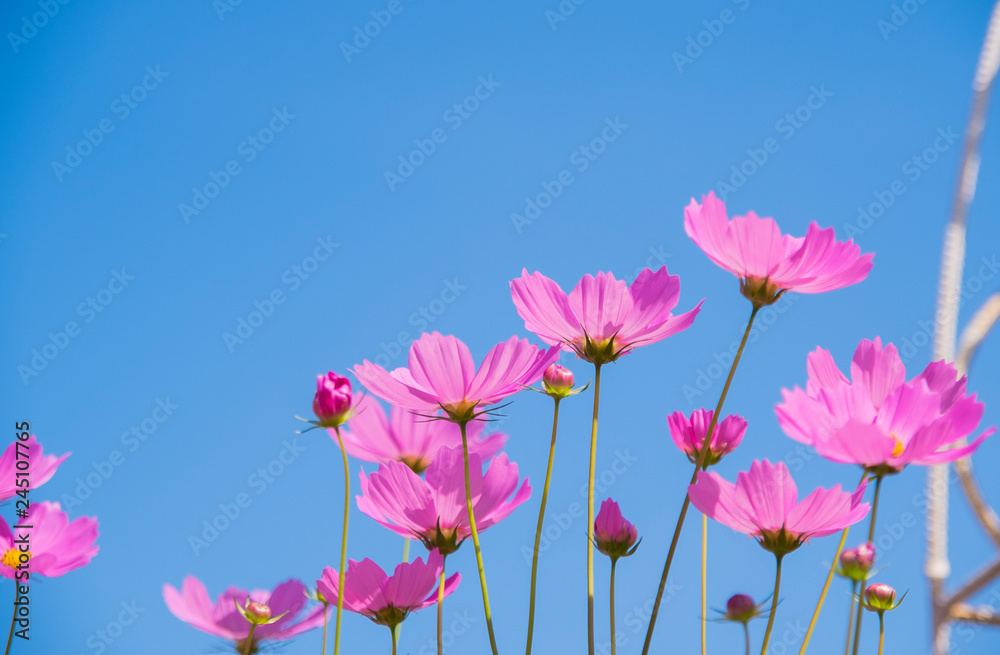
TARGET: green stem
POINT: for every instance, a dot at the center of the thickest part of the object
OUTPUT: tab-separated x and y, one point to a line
406	558
538	530
590	512
614	563
475	540
850	617
440	605
774	606
247	648
392	633
704	580
343	543
822	596
871	536
13	621
702	455
881	632
746	633
326	619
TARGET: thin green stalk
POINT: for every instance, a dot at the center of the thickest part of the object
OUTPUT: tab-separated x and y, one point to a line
13	621
392	633
881	632
850	617
538	530
246	649
614	563
746	633
406	558
704	581
343	543
590	512
440	605
475	540
774	606
326	620
699	464
822	596
871	537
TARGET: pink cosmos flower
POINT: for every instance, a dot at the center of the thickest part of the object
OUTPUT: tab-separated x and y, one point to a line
764	504
56	545
602	318
433	509
442	375
877	419
41	466
689	434
193	606
332	402
409	438
613	535
769	262
387	600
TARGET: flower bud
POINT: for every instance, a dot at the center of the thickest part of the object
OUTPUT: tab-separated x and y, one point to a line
558	381
258	613
332	403
866	555
613	535
855	563
741	608
880	596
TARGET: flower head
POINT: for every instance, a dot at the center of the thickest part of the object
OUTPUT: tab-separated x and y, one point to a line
602	318
409	438
223	618
689	434
388	600
332	402
56	546
442	375
855	563
740	608
613	535
877	419
432	509
764	504
767	262
41	467
880	598
558	381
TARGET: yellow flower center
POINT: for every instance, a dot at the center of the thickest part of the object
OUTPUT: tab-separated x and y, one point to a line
898	448
12	558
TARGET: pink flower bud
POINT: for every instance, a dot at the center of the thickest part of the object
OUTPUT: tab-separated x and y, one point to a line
614	536
258	613
880	597
866	555
558	381
332	403
689	434
855	563
741	608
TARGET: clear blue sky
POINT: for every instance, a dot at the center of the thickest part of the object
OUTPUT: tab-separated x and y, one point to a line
300	132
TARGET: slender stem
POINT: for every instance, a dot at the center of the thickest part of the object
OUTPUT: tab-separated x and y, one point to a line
247	648
705	447
538	530
590	512
406	558
343	543
774	606
440	605
871	537
614	563
13	621
850	617
881	632
822	595
704	582
393	633
475	540
746	633
326	620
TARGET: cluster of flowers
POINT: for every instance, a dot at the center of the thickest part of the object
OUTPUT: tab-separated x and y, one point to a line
431	449
43	541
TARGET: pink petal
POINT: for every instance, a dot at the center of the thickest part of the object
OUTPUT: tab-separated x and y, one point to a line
442	365
602	303
545	309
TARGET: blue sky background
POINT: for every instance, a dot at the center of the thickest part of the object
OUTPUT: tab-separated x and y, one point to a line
400	246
